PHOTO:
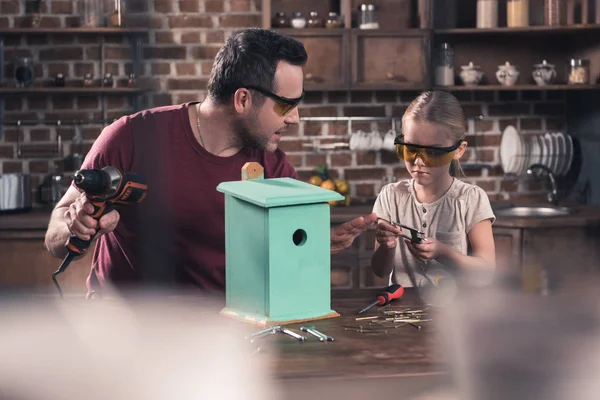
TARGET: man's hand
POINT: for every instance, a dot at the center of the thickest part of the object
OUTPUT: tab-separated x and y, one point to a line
343	235
80	222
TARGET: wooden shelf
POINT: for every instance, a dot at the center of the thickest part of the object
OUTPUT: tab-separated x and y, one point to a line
24	31
409	31
525	30
310	31
71	90
340	31
518	87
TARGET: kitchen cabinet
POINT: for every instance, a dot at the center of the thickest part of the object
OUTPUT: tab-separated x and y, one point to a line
389	60
358	60
508	242
327	67
565	247
567	253
394	57
400	54
27	265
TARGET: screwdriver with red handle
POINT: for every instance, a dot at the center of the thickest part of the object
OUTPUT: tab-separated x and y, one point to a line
390	293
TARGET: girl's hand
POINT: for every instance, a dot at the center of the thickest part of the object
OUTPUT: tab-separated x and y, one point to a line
428	249
387	234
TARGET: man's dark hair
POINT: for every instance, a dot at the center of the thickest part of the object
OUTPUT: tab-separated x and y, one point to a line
250	57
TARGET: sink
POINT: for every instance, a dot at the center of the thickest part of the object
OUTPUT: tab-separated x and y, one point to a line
533	211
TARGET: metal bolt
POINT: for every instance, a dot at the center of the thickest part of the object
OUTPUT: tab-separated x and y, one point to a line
292	334
267	331
313	331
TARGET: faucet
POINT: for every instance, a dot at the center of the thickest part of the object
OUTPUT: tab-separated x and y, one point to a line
553	193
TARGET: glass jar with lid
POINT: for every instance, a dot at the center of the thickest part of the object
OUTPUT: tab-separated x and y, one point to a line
555	12
444	66
92	14
487	13
24	72
333	21
280	20
116	13
517	13
579	72
315	20
368	17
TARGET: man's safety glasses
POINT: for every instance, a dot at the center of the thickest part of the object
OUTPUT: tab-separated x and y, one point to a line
283	105
432	156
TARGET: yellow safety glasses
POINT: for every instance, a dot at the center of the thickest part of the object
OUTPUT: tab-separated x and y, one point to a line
432	156
283	105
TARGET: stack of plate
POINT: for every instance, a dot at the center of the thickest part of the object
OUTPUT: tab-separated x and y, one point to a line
552	149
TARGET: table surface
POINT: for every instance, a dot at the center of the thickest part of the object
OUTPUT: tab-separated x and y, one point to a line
394	352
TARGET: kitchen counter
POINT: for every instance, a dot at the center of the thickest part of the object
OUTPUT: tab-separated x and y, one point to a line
33	224
26	225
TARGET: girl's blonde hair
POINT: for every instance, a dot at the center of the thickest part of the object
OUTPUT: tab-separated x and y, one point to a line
441	108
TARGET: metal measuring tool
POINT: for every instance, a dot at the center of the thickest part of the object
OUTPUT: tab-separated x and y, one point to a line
416	236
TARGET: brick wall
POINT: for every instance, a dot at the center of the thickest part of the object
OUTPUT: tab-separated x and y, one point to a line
183	38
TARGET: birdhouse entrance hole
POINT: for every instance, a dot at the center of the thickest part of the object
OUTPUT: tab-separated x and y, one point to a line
299	237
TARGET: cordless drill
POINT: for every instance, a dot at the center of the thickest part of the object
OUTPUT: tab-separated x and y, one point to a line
104	188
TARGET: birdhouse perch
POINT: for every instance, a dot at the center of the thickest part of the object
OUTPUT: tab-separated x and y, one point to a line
277	246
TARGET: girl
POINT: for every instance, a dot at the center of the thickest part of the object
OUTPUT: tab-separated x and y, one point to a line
452	215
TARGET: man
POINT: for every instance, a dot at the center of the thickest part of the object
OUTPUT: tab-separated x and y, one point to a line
177	234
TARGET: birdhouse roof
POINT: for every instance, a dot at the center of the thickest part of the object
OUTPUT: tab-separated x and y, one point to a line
277	192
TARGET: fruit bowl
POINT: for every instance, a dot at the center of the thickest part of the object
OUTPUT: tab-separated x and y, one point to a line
323	179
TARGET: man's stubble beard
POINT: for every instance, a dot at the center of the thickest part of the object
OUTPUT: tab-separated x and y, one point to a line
247	133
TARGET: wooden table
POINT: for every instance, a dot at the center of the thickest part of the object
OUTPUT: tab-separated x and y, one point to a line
401	361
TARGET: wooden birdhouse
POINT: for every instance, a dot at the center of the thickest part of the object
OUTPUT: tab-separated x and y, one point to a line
277	246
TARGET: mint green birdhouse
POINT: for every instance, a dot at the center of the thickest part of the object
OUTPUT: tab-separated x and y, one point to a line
277	246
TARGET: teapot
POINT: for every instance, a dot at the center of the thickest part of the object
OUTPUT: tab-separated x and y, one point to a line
471	74
543	73
507	74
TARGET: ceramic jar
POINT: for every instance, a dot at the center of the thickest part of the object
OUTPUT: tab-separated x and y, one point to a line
298	21
507	74
88	79
108	80
544	73
471	74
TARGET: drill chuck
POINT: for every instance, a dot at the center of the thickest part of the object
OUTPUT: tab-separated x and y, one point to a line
94	182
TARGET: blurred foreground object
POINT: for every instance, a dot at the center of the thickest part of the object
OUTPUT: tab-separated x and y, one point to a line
509	345
149	347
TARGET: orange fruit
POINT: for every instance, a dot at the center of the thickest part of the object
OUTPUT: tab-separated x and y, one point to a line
328	184
315	180
342	186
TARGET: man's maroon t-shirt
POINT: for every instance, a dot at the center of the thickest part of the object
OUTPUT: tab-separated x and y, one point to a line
177	234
